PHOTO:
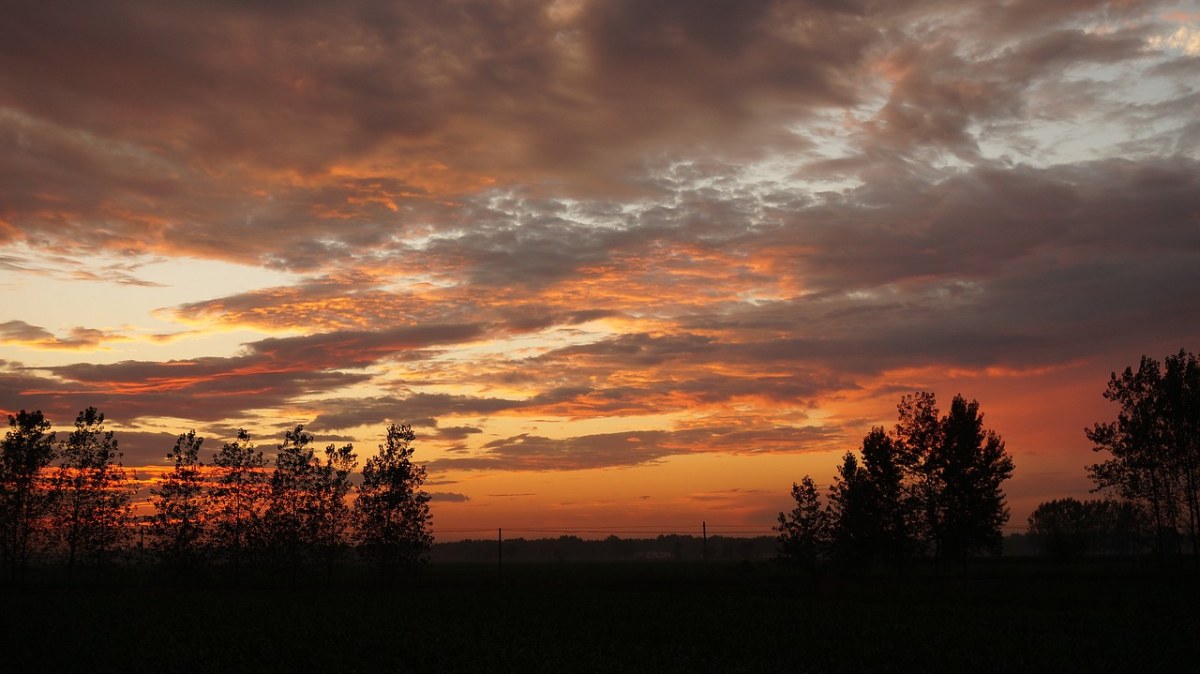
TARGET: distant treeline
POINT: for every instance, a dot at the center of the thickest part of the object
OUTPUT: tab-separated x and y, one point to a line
66	505
670	547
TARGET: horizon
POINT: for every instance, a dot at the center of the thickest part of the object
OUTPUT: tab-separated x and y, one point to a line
619	264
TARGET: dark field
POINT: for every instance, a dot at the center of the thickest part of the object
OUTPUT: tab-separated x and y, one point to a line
1008	615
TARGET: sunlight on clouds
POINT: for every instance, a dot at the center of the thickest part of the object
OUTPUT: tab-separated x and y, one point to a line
1185	39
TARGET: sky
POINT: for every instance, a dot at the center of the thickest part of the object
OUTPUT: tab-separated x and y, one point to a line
624	265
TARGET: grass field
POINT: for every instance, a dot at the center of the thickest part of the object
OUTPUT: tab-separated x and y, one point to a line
1005	616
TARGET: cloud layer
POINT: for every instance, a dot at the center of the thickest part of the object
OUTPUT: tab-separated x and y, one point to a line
571	234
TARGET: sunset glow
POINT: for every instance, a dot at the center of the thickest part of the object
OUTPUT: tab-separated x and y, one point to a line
621	264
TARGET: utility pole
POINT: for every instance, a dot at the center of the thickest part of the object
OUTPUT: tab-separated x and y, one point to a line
704	533
499	551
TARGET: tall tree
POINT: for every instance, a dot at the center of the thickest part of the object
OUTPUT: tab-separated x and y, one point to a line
238	495
970	465
92	492
804	532
1154	446
916	436
331	514
288	521
855	515
27	450
180	506
392	510
890	497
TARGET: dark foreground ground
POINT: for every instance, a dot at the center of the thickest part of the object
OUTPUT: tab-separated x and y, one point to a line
1011	616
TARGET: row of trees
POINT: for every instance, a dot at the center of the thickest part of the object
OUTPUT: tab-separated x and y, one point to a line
72	498
929	487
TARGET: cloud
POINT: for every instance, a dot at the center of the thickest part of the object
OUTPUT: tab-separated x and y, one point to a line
79	338
527	452
448	497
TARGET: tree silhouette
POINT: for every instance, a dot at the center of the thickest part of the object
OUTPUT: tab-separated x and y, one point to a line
238	496
92	493
890	498
856	518
330	513
970	465
180	505
804	532
1070	528
916	437
933	483
288	521
392	510
1155	445
27	450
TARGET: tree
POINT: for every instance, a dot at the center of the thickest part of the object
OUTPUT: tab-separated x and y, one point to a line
330	512
890	499
932	484
1069	528
1060	528
27	450
1154	446
392	510
856	520
92	492
238	495
915	438
180	506
288	520
804	532
969	466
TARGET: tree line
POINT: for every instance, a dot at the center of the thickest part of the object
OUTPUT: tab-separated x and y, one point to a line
70	500
1151	478
928	488
931	486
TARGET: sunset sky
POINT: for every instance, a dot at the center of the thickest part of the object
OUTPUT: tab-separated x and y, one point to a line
622	264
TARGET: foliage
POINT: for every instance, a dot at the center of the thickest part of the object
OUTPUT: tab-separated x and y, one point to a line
27	450
1069	528
329	511
969	469
288	521
804	532
392	510
237	497
932	485
92	492
180	505
1154	445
